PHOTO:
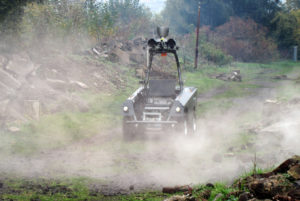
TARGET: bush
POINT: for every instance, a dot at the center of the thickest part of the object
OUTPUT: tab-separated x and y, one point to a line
245	40
211	53
74	24
208	52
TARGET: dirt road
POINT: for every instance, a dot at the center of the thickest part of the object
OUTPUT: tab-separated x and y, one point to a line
225	147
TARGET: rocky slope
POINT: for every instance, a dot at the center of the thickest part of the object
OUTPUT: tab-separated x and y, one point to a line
34	83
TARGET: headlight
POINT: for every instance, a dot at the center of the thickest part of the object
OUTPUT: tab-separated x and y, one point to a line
125	109
178	109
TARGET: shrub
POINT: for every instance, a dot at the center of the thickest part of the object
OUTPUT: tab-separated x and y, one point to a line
211	53
208	52
245	40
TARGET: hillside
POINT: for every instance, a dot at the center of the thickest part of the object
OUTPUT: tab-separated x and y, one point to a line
86	147
67	66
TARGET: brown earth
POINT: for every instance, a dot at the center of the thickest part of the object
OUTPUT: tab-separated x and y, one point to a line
35	83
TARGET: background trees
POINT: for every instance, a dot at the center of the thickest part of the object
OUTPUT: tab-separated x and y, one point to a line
182	14
265	25
36	21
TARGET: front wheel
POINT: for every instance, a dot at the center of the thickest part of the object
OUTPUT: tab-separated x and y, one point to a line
193	123
189	124
128	131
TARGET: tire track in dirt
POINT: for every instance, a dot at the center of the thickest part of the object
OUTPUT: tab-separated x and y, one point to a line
158	162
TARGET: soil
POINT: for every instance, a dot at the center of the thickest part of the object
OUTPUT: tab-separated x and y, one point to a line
169	160
120	167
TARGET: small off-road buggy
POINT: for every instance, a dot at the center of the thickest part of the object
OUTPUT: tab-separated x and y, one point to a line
160	104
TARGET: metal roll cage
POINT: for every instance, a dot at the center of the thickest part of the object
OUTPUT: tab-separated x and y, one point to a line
154	51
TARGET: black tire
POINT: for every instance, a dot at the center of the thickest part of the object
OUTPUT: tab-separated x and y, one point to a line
193	124
186	129
189	124
128	131
182	128
140	132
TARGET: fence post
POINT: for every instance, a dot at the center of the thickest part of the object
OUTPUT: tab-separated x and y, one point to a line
295	57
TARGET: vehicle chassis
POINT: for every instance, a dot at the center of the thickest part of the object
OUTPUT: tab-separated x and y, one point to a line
146	110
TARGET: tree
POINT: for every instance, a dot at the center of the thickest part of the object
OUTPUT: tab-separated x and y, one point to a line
261	12
245	40
285	26
182	14
292	4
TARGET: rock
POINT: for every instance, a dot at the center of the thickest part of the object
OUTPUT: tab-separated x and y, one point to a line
210	185
96	51
282	198
3	106
137	58
139	73
3	61
113	57
176	189
229	155
13	129
181	198
8	80
127	46
245	196
286	165
57	84
205	195
295	172
80	84
222	76
32	108
280	77
272	101
138	41
266	188
235	76
20	66
295	193
218	197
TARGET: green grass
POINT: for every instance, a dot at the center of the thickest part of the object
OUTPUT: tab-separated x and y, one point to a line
82	189
64	190
224	92
60	129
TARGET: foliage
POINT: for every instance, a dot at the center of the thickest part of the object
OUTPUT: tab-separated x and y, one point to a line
213	54
208	52
182	14
292	4
73	23
286	27
245	40
262	12
11	12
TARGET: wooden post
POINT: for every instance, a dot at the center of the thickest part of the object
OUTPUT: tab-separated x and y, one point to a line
295	53
197	38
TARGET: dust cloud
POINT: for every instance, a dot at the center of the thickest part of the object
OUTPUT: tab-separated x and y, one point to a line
223	149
